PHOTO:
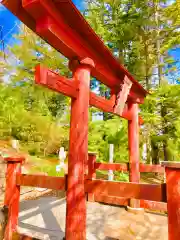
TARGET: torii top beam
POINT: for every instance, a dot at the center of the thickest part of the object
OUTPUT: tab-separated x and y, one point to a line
60	24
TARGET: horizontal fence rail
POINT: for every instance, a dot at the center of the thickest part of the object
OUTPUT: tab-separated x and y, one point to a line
161	206
121	201
112	166
55	183
18	236
151	168
107	189
152	192
125	167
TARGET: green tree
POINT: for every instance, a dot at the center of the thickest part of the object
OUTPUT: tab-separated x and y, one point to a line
29	112
112	131
161	114
139	35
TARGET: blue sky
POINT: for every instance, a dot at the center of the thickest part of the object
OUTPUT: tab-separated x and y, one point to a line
8	21
173	76
78	3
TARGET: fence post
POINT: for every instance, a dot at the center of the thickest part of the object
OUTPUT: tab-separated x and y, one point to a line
173	198
12	194
91	172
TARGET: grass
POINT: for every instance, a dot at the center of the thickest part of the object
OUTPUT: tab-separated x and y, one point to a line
35	164
118	176
38	164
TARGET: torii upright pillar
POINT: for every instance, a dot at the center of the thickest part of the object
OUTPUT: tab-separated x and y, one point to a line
78	89
78	153
133	140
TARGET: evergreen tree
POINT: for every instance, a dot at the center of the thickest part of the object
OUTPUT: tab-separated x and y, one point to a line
29	112
140	33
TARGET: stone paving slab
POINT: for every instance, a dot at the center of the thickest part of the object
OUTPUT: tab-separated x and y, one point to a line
45	219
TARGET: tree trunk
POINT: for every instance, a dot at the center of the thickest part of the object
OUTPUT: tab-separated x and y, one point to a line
158	42
167	155
154	152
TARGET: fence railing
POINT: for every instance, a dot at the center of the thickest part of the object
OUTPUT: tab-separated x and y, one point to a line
125	167
154	196
123	199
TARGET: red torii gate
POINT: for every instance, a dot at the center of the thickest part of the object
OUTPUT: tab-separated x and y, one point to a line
63	27
60	24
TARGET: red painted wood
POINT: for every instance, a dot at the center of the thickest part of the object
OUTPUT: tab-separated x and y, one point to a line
173	201
133	138
141	121
91	172
151	168
152	192
78	153
57	183
170	164
12	195
133	143
17	236
107	106
14	157
111	200
161	206
120	201
90	197
91	165
122	96
113	97
23	237
56	82
69	34
48	29
69	88
112	166
125	167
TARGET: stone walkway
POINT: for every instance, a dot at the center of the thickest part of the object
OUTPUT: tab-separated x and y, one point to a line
45	219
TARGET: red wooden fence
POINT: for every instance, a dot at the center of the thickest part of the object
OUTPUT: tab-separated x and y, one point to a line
125	167
153	192
103	191
123	201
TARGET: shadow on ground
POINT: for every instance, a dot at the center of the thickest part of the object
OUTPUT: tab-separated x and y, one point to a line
45	219
38	218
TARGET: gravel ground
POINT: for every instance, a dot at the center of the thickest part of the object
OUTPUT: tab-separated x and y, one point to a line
44	218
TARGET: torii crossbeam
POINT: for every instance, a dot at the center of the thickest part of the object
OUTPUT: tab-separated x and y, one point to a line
60	24
69	87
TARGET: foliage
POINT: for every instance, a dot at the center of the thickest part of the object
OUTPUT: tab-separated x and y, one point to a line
139	34
161	114
126	27
28	112
103	133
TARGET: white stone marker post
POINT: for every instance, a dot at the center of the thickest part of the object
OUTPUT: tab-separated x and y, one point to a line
62	157
111	156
